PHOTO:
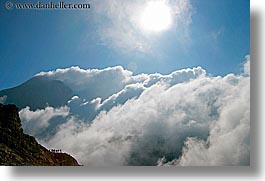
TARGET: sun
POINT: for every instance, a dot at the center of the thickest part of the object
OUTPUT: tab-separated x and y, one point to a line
156	17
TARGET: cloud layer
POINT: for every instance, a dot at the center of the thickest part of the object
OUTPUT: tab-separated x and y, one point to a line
34	122
116	118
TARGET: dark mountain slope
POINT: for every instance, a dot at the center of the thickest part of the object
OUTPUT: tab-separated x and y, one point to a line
17	148
37	93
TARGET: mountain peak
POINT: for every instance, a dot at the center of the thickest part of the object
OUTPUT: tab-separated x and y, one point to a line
37	93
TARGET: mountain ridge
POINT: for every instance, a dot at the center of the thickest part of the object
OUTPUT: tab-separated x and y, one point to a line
38	92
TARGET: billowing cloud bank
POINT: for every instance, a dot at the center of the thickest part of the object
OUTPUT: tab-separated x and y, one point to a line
35	121
184	118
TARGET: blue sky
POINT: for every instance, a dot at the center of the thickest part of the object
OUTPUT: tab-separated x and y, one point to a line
213	34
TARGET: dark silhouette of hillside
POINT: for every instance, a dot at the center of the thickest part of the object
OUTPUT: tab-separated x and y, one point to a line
17	148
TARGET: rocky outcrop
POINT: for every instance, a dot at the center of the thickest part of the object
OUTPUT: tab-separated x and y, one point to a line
17	148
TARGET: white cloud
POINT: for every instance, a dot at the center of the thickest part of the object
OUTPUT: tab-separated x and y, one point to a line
117	118
247	65
229	136
129	92
3	99
36	121
121	23
175	77
91	83
73	99
96	90
184	118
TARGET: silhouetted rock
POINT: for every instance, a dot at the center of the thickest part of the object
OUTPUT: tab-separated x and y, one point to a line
17	148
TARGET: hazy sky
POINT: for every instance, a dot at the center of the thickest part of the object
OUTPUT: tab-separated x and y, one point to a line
213	34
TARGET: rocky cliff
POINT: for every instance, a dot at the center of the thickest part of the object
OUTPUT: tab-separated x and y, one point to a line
17	148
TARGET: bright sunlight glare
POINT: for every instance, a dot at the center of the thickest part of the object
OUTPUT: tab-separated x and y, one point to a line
156	16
